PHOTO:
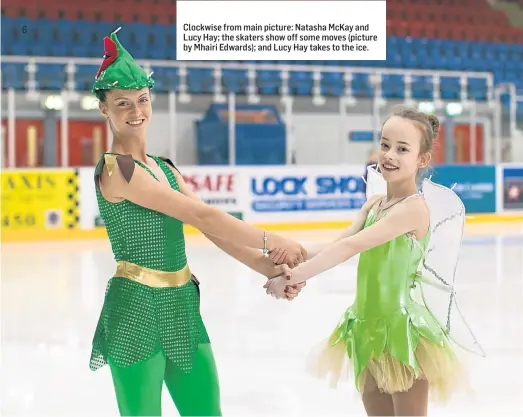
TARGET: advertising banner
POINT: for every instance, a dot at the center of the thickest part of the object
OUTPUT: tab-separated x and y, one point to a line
39	199
216	186
301	193
475	185
512	188
306	194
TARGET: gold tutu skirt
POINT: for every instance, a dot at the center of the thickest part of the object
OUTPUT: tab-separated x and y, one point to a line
438	365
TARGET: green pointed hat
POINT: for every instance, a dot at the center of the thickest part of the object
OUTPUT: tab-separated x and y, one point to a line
119	69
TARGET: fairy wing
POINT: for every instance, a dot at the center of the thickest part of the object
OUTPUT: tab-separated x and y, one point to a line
376	184
437	275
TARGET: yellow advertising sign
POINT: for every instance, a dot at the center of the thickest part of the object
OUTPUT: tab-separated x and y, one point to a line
39	199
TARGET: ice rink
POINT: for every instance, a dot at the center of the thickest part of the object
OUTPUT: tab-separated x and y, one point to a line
52	294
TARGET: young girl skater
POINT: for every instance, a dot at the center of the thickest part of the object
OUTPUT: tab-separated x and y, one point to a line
150	329
398	348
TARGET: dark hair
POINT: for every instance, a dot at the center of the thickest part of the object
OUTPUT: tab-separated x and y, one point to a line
101	95
428	124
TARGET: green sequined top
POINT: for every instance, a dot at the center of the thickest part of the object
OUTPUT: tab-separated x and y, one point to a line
137	321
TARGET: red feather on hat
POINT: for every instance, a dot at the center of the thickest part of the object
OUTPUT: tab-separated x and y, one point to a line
111	53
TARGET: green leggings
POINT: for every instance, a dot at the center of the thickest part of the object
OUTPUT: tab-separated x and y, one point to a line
139	387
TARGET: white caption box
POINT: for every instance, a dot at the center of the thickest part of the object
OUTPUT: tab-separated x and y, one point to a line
280	30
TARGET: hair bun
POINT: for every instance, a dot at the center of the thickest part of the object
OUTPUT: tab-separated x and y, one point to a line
434	123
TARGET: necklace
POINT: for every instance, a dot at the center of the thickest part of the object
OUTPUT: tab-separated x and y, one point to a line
382	208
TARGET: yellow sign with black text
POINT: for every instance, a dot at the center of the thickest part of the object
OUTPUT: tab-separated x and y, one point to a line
39	199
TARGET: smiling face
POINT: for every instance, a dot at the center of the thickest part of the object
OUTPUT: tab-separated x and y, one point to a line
128	110
402	151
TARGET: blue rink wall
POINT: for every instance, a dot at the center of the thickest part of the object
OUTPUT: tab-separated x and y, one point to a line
48	204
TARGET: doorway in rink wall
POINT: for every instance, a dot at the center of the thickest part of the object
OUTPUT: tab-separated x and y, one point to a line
29	140
86	142
462	145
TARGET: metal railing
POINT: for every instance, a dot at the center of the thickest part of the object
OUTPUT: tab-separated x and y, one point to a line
493	92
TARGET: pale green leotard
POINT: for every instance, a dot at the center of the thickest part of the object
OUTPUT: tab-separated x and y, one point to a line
385	330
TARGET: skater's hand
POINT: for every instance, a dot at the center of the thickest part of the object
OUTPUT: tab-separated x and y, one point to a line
280	270
278	287
292	291
289	251
278	256
281	256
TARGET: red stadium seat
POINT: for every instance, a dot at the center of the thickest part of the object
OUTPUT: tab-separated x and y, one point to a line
468	20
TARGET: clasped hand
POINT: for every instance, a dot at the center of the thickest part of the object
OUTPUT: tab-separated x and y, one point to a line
278	286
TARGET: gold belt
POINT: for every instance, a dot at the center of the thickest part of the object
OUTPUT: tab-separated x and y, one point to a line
151	277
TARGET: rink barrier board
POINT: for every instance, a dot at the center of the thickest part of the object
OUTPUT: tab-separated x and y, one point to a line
100	233
283	198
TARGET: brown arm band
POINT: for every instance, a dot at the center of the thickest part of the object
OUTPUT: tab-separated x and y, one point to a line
125	164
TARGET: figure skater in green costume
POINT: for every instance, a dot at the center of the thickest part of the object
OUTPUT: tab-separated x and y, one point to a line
150	329
396	347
